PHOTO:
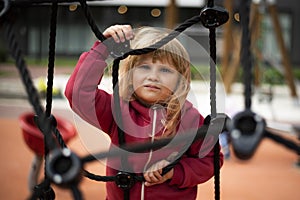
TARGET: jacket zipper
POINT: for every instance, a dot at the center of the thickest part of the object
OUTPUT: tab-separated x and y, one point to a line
150	153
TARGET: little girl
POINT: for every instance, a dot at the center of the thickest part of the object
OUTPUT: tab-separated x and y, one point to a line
153	88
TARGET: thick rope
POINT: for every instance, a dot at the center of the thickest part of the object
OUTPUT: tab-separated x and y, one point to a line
91	21
51	58
147	146
50	84
177	31
246	56
281	140
115	73
76	192
51	66
153	47
31	91
172	35
213	105
34	98
44	123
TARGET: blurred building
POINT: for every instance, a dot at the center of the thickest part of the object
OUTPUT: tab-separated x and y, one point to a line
75	36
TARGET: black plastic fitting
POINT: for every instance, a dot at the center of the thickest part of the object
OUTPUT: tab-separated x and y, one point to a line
246	131
63	167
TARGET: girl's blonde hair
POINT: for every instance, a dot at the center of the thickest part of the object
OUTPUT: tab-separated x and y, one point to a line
174	53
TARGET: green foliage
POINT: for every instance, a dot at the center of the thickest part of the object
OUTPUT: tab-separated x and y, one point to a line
59	61
3	56
272	76
269	74
199	71
297	73
5	74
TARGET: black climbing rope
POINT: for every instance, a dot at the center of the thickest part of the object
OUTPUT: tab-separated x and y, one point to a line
91	21
213	58
212	18
51	58
246	55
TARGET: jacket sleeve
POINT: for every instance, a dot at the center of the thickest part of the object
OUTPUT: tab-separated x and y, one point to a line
90	103
196	165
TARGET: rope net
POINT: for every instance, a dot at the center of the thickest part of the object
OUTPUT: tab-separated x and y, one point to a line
211	17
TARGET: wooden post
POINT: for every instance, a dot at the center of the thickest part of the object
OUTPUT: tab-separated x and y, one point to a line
255	22
231	72
227	39
171	14
284	55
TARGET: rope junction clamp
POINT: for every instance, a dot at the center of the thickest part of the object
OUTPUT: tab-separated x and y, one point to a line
212	17
125	180
117	49
39	123
246	131
63	167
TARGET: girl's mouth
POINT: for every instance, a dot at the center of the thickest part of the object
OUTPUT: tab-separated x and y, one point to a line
152	87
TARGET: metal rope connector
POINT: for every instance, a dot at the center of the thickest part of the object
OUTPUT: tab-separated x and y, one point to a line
117	49
63	167
246	131
125	180
212	17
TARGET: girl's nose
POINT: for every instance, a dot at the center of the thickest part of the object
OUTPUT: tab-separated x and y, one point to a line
153	75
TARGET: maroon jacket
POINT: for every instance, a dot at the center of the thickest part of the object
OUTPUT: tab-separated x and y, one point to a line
140	124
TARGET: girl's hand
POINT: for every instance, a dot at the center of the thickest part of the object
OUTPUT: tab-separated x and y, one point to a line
120	33
153	174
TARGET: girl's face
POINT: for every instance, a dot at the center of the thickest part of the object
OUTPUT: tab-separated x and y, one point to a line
154	82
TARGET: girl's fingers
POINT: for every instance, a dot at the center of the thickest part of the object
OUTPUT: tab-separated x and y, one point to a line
119	33
113	32
128	32
153	177
149	177
157	176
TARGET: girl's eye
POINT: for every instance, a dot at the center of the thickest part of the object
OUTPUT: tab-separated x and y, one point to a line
144	67
166	70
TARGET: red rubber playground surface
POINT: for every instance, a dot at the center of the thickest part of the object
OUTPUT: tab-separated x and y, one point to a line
270	174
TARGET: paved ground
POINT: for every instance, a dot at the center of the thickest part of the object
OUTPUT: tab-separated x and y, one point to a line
270	174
